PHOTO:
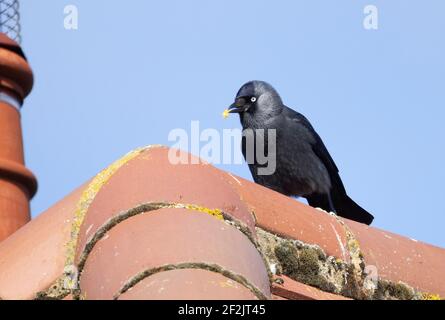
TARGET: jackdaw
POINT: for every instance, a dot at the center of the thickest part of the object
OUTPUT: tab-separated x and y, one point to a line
304	167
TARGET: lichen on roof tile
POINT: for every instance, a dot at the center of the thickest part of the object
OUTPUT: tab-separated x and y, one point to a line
120	212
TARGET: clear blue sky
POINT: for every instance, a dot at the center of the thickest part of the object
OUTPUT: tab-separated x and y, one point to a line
137	69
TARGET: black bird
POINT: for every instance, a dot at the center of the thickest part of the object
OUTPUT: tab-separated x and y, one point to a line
304	167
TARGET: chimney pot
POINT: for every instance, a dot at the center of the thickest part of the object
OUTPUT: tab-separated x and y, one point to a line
17	184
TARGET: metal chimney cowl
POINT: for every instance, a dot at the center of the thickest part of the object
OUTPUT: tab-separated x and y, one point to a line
10	19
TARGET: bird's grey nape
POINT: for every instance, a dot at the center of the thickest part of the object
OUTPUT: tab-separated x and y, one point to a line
304	166
258	88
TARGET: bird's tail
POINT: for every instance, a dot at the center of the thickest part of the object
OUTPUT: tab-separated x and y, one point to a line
347	208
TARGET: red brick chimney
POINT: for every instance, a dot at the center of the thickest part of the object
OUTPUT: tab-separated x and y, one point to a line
17	184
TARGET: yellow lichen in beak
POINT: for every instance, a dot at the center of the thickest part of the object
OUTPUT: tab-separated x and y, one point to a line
226	114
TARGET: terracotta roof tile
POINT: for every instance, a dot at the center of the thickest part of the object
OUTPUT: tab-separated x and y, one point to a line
146	229
188	284
149	177
277	214
398	258
33	258
169	237
275	297
294	290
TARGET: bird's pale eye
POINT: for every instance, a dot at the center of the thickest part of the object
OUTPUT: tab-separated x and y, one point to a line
253	99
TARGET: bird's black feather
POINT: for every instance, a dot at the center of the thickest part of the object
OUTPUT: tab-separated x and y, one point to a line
304	166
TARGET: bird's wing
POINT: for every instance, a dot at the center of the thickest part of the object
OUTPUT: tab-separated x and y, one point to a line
318	147
341	202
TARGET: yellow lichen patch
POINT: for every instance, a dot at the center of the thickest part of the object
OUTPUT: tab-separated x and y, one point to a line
353	244
430	296
213	212
87	198
338	261
226	113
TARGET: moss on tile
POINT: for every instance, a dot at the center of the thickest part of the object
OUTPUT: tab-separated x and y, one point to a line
310	265
56	291
305	263
387	290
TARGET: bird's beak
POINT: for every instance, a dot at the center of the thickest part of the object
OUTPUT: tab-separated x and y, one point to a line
233	109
